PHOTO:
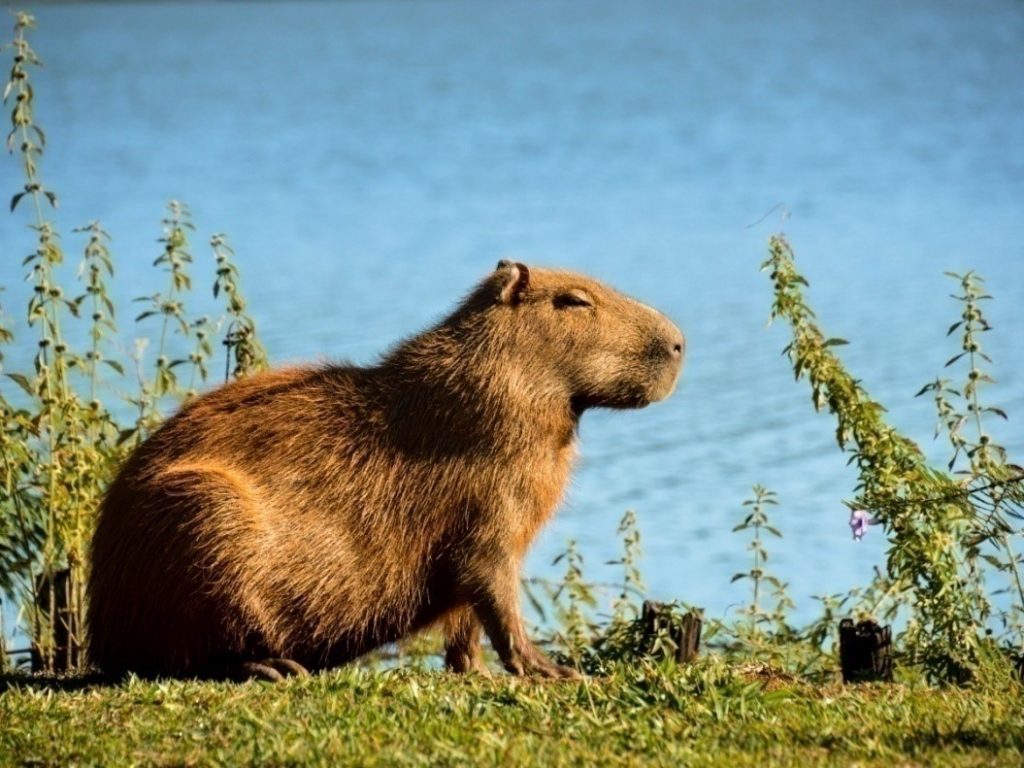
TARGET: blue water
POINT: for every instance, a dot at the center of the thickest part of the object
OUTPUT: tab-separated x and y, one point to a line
372	160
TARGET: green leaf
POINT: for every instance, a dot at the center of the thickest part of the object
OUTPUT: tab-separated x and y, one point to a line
23	382
995	562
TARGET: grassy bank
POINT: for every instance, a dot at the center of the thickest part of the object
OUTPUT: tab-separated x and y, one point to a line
709	714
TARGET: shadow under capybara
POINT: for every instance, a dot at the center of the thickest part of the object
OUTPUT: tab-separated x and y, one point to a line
299	518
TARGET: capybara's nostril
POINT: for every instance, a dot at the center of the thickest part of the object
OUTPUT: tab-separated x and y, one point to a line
677	345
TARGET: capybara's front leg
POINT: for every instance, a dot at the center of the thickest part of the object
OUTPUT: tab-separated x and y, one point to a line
462	652
498	609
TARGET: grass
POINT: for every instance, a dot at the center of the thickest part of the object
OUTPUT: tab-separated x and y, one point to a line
712	713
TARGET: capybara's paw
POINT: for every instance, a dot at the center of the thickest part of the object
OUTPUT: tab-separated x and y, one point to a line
466	663
539	665
568	673
554	671
287	667
255	670
269	670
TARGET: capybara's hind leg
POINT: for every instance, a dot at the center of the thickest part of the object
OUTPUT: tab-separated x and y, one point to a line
462	651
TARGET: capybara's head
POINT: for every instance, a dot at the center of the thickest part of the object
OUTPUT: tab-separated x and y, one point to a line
567	331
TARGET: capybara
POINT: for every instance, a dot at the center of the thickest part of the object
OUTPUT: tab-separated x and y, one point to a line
299	518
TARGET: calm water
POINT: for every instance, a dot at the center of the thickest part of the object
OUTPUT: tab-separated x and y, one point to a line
372	160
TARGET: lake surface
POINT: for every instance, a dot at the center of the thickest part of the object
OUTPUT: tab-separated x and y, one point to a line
372	160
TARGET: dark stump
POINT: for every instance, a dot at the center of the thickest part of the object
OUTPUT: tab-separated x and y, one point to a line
865	651
659	620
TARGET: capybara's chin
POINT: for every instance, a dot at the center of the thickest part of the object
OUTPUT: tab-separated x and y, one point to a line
666	383
301	517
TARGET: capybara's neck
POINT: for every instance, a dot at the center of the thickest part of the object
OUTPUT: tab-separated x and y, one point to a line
456	387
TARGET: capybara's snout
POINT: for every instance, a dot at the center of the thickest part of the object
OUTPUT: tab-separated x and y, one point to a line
666	352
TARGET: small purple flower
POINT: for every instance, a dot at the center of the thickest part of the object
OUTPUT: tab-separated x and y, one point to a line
860	519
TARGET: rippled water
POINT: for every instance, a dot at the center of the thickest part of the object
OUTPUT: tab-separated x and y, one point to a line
372	160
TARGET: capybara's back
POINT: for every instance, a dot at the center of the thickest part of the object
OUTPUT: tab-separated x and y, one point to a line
299	518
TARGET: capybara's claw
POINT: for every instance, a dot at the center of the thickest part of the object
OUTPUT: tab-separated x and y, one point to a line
567	673
254	670
269	670
287	667
465	664
556	672
540	666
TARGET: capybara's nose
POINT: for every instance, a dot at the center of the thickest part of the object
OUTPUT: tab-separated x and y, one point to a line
677	345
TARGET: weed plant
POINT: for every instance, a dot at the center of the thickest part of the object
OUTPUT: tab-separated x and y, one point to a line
942	528
61	437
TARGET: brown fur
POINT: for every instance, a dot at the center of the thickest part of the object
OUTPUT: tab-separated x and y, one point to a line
317	513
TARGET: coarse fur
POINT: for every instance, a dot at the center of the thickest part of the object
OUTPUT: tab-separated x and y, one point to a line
315	513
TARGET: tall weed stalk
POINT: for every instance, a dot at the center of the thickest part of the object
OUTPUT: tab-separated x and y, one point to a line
60	443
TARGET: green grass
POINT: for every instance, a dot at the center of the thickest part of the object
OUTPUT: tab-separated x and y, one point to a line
708	714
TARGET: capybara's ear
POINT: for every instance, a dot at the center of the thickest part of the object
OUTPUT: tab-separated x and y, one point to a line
514	279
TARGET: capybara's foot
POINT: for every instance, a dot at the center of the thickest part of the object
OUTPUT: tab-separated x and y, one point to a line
462	652
287	667
536	664
270	670
565	673
553	671
465	662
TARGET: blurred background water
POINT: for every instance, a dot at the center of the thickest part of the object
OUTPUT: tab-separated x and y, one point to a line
372	160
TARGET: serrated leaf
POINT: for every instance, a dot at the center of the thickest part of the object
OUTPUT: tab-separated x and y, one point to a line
994	562
23	382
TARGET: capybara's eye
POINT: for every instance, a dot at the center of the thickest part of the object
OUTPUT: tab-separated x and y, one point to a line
572	299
